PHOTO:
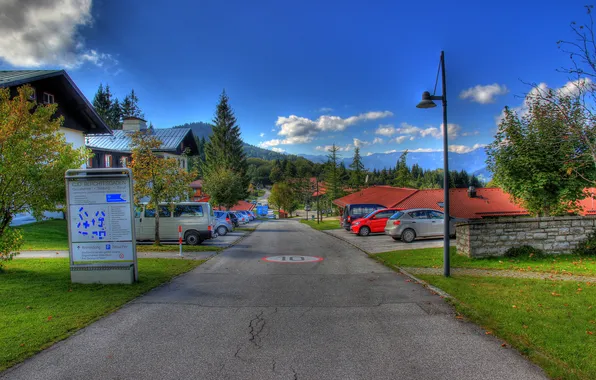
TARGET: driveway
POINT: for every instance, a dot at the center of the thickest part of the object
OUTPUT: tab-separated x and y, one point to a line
378	243
241	317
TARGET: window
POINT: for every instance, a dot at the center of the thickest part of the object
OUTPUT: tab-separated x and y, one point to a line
164	212
384	214
188	210
435	215
124	162
90	162
138	210
107	159
397	215
48	98
422	214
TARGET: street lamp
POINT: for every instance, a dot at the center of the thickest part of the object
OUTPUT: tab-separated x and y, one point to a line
427	102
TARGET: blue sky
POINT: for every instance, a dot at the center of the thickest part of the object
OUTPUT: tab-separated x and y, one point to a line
306	74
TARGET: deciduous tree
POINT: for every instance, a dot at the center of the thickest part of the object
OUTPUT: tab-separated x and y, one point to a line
34	155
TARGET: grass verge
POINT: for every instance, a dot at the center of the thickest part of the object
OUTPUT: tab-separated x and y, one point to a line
433	258
40	306
245	229
176	248
48	235
551	322
324	225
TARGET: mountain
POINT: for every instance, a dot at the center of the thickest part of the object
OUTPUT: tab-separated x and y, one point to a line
199	129
470	162
483	174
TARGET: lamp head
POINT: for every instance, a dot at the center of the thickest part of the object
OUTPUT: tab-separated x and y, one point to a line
426	101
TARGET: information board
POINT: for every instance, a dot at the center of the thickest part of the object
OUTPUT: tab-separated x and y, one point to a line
100	217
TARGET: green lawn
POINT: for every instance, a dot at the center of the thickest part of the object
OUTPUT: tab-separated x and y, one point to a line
433	258
245	229
52	235
552	322
324	225
39	306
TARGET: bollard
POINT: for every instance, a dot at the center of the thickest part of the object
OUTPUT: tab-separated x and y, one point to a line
180	239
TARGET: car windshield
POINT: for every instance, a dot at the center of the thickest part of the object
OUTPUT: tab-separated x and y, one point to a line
397	215
369	214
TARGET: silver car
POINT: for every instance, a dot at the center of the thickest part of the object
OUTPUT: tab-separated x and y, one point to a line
407	225
223	223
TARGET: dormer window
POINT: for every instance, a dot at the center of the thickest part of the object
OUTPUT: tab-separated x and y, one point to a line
48	98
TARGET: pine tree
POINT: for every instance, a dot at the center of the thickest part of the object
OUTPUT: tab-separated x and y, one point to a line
224	150
332	176
403	176
130	106
357	175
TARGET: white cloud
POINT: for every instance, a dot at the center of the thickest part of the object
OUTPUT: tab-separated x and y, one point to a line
289	141
407	129
359	143
464	148
298	130
35	33
278	150
471	133
576	87
424	150
390	151
378	140
270	143
413	131
399	139
484	94
272	129
326	148
262	134
369	154
325	109
386	130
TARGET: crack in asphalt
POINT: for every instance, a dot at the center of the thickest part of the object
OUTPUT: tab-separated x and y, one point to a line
256	326
295	373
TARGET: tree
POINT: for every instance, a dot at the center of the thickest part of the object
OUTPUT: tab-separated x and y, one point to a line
224	151
222	187
34	155
160	179
358	174
282	196
403	176
130	106
107	107
529	158
276	172
332	175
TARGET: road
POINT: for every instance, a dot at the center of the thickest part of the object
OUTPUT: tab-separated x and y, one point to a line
240	317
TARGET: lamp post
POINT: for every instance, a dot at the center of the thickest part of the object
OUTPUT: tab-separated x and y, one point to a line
427	102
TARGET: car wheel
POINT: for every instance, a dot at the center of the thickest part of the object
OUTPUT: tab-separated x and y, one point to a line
364	231
193	238
222	231
395	238
408	236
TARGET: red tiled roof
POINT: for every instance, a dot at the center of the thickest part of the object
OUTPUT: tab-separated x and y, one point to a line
488	202
198	184
243	206
387	196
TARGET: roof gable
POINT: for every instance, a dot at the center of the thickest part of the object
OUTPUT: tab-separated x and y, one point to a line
387	196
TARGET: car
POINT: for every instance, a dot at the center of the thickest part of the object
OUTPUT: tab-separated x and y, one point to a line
223	223
251	217
356	211
234	218
407	225
270	215
372	223
242	218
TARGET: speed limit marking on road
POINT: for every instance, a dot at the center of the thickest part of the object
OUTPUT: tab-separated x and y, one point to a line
292	259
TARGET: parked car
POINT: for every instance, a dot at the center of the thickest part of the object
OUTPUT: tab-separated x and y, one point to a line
224	223
356	211
410	224
196	219
234	218
270	215
372	223
242	219
247	213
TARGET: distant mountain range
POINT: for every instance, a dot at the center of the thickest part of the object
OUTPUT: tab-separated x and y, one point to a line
472	162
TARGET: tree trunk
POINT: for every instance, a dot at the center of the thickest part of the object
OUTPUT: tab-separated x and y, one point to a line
157	242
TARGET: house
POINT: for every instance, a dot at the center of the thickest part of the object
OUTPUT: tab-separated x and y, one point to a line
198	194
56	86
464	203
114	150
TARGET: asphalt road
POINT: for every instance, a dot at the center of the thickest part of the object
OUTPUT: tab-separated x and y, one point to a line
239	317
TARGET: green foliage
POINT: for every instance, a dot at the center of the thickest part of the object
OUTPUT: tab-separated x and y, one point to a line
225	160
403	175
587	247
530	159
283	197
11	241
107	107
524	251
333	176
130	106
358	173
34	155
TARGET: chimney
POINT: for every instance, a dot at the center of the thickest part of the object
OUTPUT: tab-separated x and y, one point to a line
132	123
472	192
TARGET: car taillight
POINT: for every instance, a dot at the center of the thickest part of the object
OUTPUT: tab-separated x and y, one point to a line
209	228
349	219
228	220
397	223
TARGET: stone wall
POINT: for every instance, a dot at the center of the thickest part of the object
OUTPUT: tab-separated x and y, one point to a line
493	237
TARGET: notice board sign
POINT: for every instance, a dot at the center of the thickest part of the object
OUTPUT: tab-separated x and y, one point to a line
100	218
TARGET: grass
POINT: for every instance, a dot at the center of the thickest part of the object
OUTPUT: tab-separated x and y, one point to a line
551	322
176	248
324	225
39	306
433	258
49	235
245	229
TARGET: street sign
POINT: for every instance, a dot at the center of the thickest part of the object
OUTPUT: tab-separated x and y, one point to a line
101	225
292	259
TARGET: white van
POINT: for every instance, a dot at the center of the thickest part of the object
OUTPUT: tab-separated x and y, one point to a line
196	218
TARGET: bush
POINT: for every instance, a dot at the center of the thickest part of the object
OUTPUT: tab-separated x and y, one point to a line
587	247
524	250
11	241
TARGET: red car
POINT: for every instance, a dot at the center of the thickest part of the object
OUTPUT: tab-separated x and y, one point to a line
372	223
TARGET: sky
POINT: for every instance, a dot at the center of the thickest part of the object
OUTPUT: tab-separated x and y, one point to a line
303	75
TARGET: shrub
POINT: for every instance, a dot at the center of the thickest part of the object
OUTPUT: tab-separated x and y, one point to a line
524	250
587	247
11	241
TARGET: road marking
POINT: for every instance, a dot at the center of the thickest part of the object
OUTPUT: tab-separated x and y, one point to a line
291	259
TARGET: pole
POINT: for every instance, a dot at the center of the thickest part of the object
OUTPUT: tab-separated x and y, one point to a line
447	218
180	240
318	197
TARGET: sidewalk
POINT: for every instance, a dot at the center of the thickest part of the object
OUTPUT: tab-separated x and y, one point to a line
141	255
499	273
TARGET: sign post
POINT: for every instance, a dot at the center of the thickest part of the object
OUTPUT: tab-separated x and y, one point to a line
101	231
180	239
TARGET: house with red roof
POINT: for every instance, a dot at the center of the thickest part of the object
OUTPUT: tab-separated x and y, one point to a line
387	196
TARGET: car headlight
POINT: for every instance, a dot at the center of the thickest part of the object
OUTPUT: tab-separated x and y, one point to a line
356	223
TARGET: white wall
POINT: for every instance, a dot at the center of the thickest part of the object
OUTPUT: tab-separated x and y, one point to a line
76	138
